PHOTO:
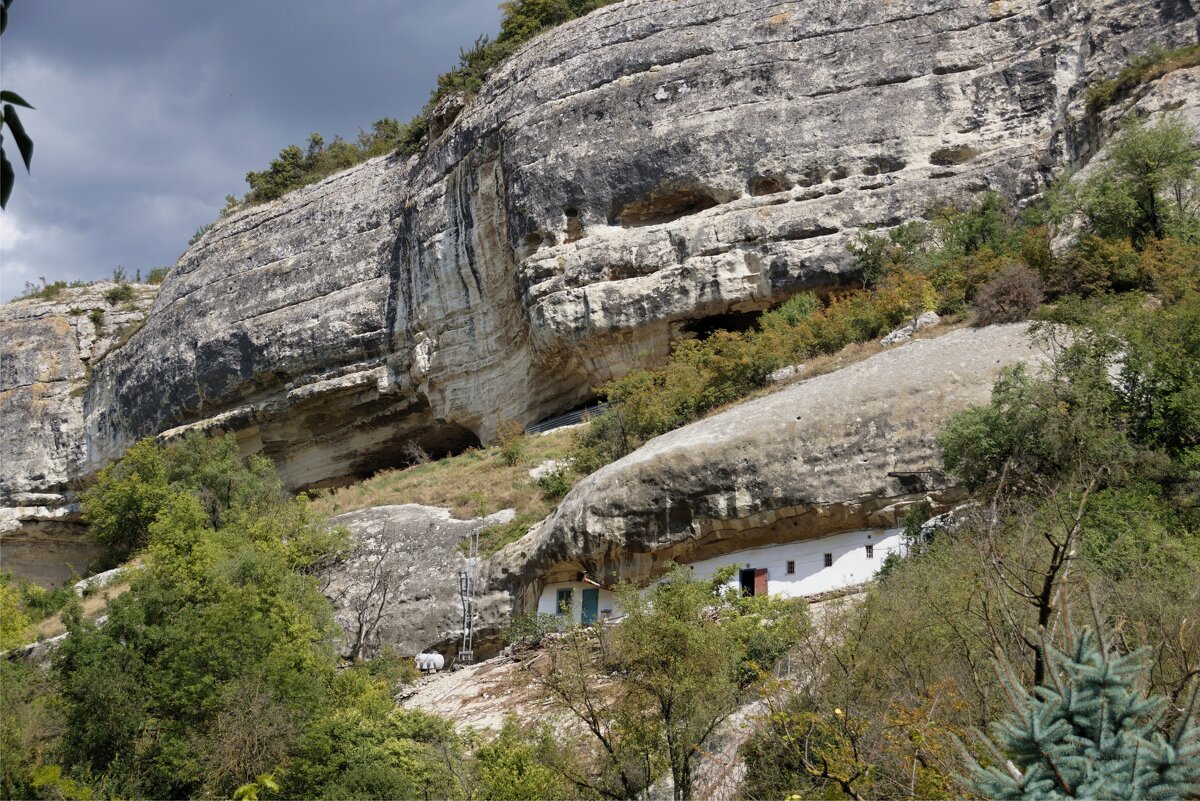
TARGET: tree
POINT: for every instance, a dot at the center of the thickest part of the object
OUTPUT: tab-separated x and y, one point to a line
10	119
1147	188
1089	731
128	495
125	500
687	654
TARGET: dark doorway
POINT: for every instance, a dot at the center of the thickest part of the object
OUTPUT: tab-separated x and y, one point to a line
746	579
753	581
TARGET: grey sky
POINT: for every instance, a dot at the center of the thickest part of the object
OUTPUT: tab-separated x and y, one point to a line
150	111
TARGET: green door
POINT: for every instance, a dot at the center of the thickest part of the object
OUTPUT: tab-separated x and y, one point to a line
591	606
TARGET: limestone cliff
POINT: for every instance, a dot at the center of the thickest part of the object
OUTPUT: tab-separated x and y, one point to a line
838	452
652	169
49	350
616	181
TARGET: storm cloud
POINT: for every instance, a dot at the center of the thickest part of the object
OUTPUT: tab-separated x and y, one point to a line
149	112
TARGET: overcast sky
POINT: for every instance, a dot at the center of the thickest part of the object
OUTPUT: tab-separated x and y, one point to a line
148	112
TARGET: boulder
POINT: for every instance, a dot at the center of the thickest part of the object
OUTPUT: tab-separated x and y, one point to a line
400	584
905	332
845	451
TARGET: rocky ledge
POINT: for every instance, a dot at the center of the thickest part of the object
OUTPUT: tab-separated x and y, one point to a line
652	169
839	452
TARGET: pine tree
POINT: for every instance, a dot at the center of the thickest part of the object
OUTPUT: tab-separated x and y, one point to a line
1090	732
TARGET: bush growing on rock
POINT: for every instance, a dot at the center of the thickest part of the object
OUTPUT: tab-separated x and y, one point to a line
1147	188
510	437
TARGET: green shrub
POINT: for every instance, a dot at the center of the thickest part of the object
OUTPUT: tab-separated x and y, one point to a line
39	602
201	231
96	316
521	20
1141	69
528	630
1146	189
294	167
493	538
121	293
128	496
42	291
157	275
555	484
510	437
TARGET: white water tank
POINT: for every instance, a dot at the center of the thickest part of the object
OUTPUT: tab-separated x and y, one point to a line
427	663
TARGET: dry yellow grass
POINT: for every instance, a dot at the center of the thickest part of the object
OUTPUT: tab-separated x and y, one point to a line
93	605
471	484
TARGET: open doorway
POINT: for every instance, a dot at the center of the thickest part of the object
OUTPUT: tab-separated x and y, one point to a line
753	581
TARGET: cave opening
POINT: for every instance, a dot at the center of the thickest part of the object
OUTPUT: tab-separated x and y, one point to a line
733	322
665	205
427	444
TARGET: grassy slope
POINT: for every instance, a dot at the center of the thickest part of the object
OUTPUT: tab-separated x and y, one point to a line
472	484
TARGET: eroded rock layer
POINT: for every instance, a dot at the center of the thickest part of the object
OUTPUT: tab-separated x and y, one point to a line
49	349
839	452
621	177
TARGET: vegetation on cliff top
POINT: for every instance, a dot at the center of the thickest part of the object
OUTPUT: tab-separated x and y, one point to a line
295	167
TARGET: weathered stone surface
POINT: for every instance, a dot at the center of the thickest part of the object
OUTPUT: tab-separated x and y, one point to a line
905	332
400	585
50	348
839	452
619	178
842	451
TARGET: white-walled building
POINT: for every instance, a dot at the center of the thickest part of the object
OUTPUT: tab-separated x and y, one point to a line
792	570
808	567
586	601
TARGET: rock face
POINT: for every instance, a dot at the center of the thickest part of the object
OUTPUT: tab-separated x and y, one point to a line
399	587
839	452
50	348
618	181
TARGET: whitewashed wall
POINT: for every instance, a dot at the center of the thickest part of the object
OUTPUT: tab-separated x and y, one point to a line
850	566
548	599
850	563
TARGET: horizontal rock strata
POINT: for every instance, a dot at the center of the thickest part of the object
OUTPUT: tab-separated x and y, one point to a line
839	452
654	164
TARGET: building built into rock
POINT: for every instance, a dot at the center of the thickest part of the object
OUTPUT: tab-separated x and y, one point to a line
651	171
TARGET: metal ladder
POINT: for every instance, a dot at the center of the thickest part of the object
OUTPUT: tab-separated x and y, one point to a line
467	581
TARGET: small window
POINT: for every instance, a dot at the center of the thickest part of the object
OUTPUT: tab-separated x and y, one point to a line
870	551
564	602
828	560
791	567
